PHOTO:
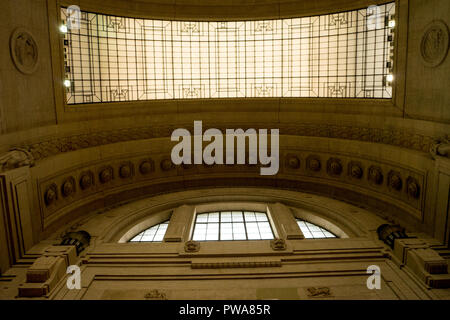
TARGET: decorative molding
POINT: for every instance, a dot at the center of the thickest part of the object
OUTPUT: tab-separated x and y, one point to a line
236	264
412	187
334	166
434	44
126	170
166	165
51	194
410	140
86	180
146	166
106	174
316	292
355	170
24	51
441	147
155	294
375	175
313	163
292	161
395	180
68	187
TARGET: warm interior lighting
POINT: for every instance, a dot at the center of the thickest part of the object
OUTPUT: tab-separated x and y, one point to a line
392	24
390	78
63	28
67	83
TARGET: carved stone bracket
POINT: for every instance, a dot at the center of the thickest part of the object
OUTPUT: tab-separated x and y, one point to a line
441	147
192	246
278	244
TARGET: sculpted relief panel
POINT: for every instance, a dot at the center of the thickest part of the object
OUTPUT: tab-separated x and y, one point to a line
24	51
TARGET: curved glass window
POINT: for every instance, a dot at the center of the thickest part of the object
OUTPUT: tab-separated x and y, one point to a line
152	234
312	231
232	225
339	55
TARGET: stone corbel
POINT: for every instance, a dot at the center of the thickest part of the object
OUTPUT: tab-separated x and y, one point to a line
47	271
426	263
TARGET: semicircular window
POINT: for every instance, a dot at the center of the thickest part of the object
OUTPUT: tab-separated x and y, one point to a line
152	234
312	231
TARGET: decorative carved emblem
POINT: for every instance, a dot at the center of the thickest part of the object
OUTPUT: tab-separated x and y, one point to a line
334	166
292	161
278	244
155	294
146	167
434	44
192	246
68	187
441	147
16	158
412	187
355	170
395	180
126	170
313	163
166	165
106	175
24	51
318	292
51	194
86	180
375	175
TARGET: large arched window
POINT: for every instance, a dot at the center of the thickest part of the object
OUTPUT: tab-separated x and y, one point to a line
232	225
312	231
152	234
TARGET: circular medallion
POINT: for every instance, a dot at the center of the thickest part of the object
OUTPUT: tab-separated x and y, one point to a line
24	51
434	44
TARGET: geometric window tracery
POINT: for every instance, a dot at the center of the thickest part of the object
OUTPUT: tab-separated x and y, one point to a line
338	55
153	234
312	231
232	225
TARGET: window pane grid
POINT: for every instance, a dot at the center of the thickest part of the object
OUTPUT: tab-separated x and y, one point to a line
312	231
232	225
338	55
152	234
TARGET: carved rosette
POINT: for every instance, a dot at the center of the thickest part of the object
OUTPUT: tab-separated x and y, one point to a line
146	166
292	161
355	170
68	187
434	44
24	51
334	166
375	175
50	195
395	181
86	180
106	174
278	244
313	163
412	188
126	170
166	165
192	246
